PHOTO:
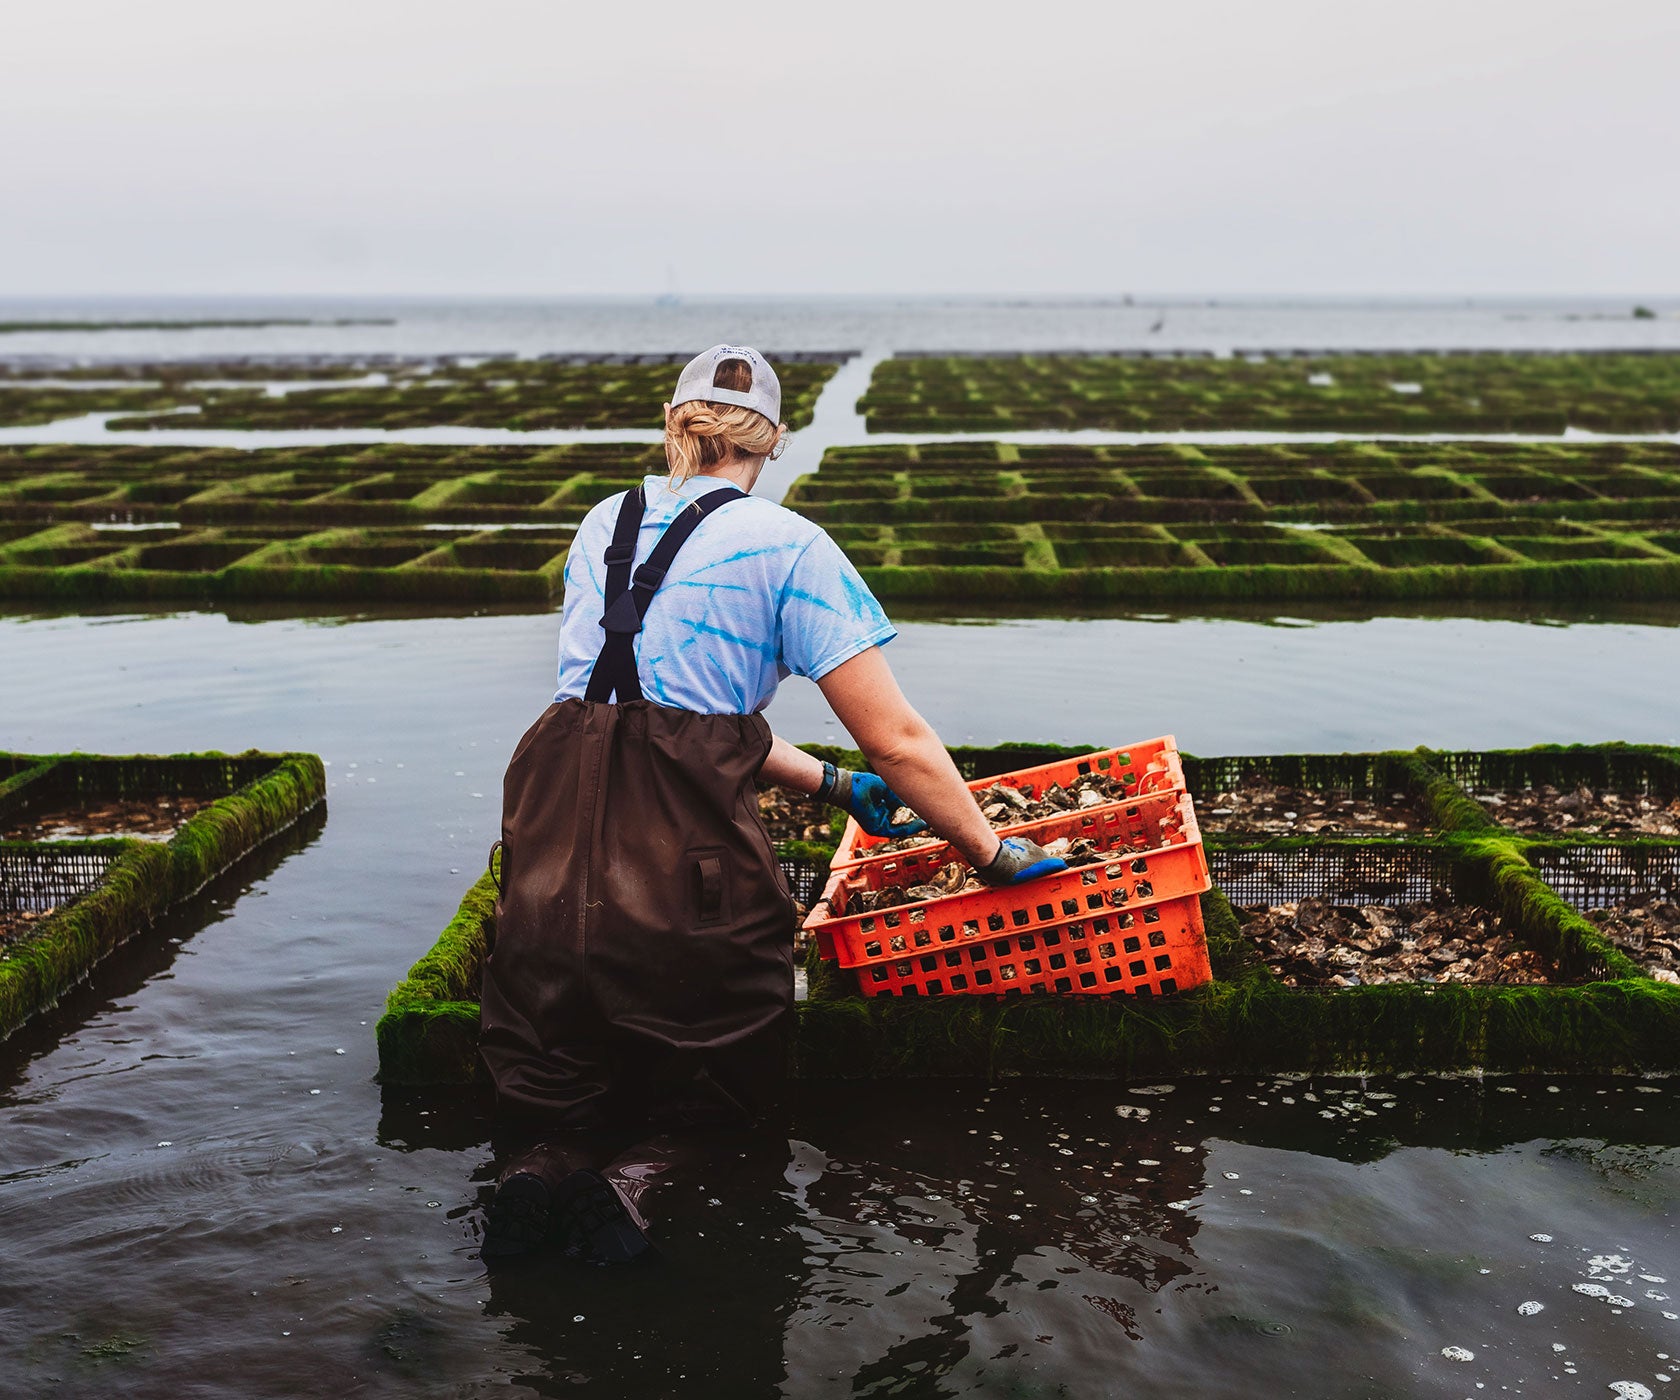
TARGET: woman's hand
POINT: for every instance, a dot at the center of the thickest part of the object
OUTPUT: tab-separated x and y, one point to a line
1019	860
865	796
868	799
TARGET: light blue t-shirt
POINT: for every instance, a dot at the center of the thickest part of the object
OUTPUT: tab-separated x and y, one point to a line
756	594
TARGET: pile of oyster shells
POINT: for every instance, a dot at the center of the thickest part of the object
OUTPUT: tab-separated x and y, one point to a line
1319	944
1648	927
1257	805
795	816
1546	808
1003	805
957	877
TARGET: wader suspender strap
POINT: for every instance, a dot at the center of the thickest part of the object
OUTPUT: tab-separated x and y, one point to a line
628	596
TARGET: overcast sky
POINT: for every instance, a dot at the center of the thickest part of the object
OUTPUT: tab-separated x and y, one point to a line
508	148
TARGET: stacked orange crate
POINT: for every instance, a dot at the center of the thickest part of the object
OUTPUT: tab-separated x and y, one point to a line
1129	922
1153	765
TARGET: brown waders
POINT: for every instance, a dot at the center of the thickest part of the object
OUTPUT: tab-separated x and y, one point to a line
641	975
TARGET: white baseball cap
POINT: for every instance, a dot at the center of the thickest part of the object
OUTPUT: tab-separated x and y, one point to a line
695	382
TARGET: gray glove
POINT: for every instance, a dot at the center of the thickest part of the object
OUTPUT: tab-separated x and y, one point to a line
1019	860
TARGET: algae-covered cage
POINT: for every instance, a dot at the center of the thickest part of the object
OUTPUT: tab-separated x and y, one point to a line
1604	1014
72	901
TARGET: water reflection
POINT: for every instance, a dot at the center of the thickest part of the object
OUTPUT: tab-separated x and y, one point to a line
705	1317
938	1266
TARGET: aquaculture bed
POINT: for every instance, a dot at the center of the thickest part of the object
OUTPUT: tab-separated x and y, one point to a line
387	483
1354	392
798	819
1162	523
81	563
1602	1009
1596	790
23	404
69	897
606	391
1297	482
1647	929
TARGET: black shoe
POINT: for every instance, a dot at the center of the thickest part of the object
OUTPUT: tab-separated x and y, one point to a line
520	1217
594	1222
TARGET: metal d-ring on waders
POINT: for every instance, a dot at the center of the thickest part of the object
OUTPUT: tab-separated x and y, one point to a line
628	596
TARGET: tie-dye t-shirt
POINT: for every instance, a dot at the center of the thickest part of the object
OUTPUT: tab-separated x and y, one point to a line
756	594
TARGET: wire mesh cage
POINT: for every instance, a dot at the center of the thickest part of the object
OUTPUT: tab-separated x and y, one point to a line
37	878
1597	877
1342	774
805	877
1355	873
82	778
1641	770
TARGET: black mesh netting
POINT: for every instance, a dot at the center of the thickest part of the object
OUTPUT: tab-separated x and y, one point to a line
1352	874
36	878
1352	774
1627	770
1595	877
805	878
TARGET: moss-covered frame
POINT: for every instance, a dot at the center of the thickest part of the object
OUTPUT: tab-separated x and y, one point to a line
1169	522
107	891
602	391
1349	391
352	484
221	564
1611	1018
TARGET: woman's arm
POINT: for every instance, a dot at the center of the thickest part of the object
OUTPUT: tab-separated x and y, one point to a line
903	749
788	767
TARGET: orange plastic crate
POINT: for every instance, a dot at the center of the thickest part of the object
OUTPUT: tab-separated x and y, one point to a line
1132	924
1152	765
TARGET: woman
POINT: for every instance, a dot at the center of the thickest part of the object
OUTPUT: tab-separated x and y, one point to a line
641	977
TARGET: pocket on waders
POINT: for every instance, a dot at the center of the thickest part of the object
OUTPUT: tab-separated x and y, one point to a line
708	886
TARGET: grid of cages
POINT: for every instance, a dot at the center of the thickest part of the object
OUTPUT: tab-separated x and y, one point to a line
386	483
1079	546
617	391
1370	845
1362	392
1300	483
256	561
1438	520
1598	825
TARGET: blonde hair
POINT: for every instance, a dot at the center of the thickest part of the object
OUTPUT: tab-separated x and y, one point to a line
701	434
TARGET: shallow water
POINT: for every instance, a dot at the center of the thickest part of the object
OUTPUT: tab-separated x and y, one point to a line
203	1192
199	1192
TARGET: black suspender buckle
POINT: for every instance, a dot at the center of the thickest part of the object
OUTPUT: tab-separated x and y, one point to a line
649	576
616	554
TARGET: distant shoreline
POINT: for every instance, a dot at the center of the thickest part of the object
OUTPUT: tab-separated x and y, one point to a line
24	327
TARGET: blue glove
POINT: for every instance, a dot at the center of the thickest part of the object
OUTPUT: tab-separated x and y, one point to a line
1019	860
868	799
